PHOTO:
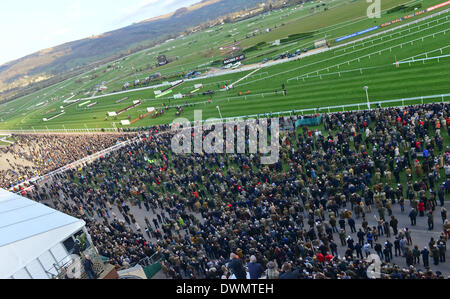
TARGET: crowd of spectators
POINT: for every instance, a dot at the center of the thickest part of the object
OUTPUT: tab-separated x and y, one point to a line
46	153
226	215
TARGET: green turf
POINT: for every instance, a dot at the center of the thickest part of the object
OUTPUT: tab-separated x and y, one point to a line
327	79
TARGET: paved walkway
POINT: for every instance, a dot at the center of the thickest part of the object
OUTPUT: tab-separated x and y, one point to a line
420	234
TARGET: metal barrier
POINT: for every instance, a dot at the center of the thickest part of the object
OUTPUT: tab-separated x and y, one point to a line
98	265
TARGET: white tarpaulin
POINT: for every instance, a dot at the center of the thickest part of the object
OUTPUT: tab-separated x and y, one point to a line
136	102
30	237
178	96
198	86
157	92
112	114
125	122
151	109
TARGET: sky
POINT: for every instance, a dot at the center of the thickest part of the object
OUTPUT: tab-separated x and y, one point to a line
28	26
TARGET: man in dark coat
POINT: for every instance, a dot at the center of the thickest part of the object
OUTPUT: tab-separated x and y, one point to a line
287	273
425	257
236	267
394	225
413	216
254	268
89	268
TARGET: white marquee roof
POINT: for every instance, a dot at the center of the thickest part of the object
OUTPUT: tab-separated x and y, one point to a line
28	230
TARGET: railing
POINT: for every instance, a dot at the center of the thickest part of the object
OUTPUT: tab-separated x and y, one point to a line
358	106
148	261
98	265
62	131
151	265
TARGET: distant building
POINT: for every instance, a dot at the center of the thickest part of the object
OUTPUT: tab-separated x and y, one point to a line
320	43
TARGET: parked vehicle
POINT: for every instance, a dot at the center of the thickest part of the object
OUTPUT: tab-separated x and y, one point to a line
236	65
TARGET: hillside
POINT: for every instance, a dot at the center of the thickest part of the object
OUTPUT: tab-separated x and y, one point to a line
48	63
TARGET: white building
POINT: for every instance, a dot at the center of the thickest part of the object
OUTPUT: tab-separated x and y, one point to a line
35	240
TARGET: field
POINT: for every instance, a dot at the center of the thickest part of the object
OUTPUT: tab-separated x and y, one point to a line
331	78
6	140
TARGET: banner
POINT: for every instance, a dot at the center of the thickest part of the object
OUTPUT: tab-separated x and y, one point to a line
357	33
91	105
234	59
164	93
85	103
315	121
404	18
438	6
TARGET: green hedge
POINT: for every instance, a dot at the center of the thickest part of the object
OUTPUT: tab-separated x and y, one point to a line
404	8
255	47
297	36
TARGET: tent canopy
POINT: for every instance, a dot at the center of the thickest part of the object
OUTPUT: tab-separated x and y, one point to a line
28	230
